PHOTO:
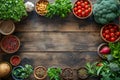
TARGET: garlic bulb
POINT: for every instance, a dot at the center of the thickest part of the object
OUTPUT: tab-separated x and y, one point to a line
29	6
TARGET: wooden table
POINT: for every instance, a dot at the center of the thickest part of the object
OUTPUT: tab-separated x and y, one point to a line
68	42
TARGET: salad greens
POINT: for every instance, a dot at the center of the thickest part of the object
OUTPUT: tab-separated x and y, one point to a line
59	8
24	72
105	70
54	73
12	9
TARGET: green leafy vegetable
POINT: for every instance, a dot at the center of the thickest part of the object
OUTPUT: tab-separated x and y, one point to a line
12	9
54	73
59	8
24	72
105	11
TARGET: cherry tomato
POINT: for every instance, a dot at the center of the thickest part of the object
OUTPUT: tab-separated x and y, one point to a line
87	12
83	14
112	39
103	34
78	3
112	34
80	11
86	6
99	64
86	2
107	36
117	33
79	7
112	30
81	1
115	27
107	31
83	5
76	13
75	9
83	9
89	9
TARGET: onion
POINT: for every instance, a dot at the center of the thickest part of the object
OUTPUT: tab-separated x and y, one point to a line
5	69
105	50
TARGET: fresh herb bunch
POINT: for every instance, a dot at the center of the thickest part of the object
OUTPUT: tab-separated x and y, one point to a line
115	50
12	9
54	73
22	73
59	8
107	70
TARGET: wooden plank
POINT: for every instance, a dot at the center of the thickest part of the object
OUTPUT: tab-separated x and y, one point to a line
61	59
38	23
59	41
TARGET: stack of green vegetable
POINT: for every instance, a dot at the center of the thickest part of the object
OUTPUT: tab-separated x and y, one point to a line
105	11
12	9
105	70
59	8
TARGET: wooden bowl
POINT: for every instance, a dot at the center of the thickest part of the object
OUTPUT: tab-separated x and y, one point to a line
67	74
43	74
11	44
7	27
85	16
83	75
101	33
44	11
15	60
99	48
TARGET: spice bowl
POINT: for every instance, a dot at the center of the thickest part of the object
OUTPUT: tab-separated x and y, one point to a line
10	44
15	60
67	74
41	7
82	73
40	72
7	27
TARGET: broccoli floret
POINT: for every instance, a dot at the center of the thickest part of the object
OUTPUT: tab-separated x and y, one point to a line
105	11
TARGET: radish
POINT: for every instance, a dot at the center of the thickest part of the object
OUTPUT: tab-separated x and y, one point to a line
105	50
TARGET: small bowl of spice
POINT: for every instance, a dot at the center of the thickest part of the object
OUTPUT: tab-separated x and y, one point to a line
82	73
15	60
41	7
10	44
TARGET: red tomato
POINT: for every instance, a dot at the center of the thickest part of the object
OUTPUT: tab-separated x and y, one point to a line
115	27
76	13
86	2
107	36
79	7
83	14
86	6
75	9
112	39
112	30
83	5
112	34
81	1
117	33
87	12
78	3
107	31
83	9
99	64
89	9
80	11
103	34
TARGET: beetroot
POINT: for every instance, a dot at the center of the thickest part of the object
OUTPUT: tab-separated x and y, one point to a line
105	50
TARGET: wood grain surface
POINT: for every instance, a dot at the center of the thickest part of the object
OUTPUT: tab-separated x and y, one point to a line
68	42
